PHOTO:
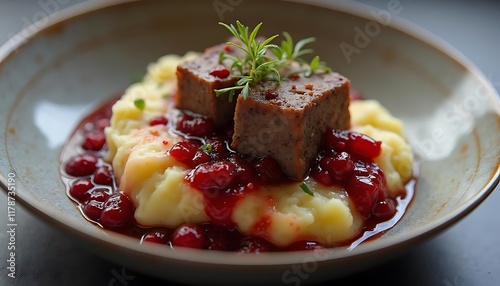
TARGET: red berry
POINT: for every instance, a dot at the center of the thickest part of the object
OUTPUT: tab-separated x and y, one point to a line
304	245
336	139
94	141
80	166
189	235
184	151
200	157
118	211
93	209
161	236
99	194
217	175
219	150
103	176
158	120
341	166
254	245
80	190
244	172
363	193
268	171
271	95
364	145
385	209
323	177
195	126
220	72
218	238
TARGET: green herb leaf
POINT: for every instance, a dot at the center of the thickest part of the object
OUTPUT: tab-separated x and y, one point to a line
140	103
306	188
207	148
257	64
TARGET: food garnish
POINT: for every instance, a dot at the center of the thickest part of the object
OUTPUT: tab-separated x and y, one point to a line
257	64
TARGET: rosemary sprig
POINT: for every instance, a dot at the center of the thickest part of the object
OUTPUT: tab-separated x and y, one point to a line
258	64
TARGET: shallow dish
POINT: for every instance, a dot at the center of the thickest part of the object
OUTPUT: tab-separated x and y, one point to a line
85	55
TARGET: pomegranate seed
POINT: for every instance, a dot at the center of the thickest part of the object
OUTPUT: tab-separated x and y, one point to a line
271	95
80	166
218	238
99	194
189	235
118	211
254	245
220	72
184	151
158	120
103	176
80	190
268	171
385	209
228	48
195	126
294	76
217	175
94	141
304	245
363	193
364	145
161	236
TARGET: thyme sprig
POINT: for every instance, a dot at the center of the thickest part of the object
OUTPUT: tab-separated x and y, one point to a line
258	64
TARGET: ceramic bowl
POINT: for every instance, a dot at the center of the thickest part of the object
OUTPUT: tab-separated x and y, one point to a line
55	72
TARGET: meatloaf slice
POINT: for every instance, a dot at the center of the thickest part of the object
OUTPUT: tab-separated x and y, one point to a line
195	86
287	121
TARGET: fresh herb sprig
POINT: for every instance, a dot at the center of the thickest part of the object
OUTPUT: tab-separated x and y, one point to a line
258	64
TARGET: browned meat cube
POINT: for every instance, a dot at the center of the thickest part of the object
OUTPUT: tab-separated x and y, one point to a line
287	122
195	87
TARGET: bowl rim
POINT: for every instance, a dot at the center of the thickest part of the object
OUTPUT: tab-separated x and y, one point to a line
118	242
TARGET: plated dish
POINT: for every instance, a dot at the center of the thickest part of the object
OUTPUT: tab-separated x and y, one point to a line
418	79
289	162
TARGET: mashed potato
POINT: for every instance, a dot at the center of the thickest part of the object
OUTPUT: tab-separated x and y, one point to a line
155	181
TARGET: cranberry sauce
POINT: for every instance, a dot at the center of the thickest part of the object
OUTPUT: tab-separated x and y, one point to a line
224	176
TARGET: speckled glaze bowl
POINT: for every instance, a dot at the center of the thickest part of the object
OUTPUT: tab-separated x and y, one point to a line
55	72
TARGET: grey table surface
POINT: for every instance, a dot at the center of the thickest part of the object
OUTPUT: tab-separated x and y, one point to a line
466	254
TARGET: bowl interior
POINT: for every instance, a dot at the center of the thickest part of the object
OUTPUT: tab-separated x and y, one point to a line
55	77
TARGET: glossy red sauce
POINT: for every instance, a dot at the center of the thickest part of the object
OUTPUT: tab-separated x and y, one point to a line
224	177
